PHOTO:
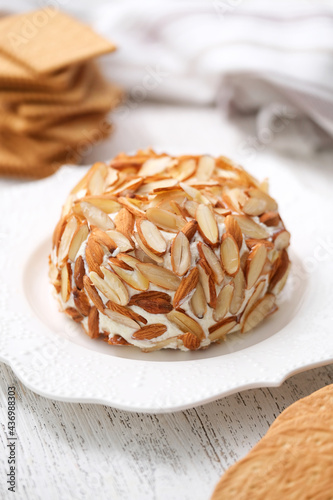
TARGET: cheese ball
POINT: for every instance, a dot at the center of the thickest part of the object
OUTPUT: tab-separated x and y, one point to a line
158	252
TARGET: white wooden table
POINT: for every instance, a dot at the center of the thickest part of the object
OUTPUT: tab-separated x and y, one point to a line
75	451
84	451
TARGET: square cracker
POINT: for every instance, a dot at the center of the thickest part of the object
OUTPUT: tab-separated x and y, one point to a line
47	40
15	75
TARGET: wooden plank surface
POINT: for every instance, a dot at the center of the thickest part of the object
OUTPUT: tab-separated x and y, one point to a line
85	451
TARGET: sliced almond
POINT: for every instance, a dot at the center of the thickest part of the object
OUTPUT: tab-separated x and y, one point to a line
155	166
153	302
184	169
198	302
191	207
250	228
190	341
222	211
124	222
207	282
111	286
151	236
92	292
194	193
207	253
258	292
156	186
122	162
259	311
206	166
162	200
102	239
160	345
66	238
243	259
123	244
146	250
279	273
79	237
223	301
165	220
120	263
239	292
180	254
257	193
185	323
79	272
111	178
190	229
230	257
54	273
97	178
255	263
281	239
278	287
177	209
207	224
254	206
232	227
57	233
251	242
81	301
142	256
121	319
134	278
95	216
270	219
106	203
129	260
160	276
132	205
128	187
221	329
94	256
65	282
117	340
186	287
125	311
149	332
93	323
74	314
234	198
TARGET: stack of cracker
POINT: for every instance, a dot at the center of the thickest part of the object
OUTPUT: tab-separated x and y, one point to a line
53	99
294	461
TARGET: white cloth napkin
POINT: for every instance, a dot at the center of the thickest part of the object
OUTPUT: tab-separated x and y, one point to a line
271	60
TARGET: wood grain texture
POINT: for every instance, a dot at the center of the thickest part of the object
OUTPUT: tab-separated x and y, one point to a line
76	451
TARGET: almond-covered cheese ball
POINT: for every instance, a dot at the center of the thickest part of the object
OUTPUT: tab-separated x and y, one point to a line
168	252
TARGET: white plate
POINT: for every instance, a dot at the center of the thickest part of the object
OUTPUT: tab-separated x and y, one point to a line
53	357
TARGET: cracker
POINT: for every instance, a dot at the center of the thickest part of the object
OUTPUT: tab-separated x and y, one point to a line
25	37
100	98
84	129
76	92
293	461
318	404
14	75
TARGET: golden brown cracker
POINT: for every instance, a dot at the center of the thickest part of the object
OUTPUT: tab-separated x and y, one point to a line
293	461
100	98
86	129
47	40
14	75
76	92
